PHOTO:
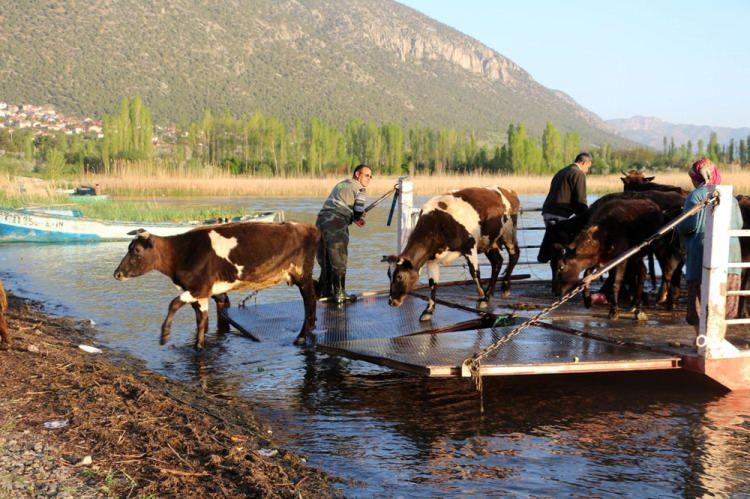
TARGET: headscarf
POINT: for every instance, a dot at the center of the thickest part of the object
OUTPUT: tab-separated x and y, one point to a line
704	171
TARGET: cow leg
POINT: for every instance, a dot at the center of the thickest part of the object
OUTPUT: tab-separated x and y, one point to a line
472	260
640	279
222	303
587	290
201	321
4	336
307	290
496	261
743	300
433	270
513	254
619	273
166	327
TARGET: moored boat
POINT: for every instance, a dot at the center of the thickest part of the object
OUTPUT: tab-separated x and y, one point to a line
66	225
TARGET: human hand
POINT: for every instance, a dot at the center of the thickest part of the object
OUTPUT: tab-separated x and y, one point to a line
360	222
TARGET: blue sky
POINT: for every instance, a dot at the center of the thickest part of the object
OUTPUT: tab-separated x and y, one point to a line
682	61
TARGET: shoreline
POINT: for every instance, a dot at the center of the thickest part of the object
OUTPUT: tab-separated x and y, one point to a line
124	430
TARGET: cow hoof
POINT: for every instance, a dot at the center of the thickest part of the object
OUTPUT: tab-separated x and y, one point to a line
505	293
614	315
641	316
482	304
426	316
300	341
164	340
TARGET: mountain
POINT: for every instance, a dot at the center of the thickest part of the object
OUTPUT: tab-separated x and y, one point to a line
295	59
651	131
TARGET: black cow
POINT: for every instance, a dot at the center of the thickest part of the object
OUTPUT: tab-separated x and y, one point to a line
614	226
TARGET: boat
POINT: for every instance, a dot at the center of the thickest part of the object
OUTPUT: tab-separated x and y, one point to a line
84	194
69	225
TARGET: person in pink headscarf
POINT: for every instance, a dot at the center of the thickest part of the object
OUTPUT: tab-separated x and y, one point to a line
704	173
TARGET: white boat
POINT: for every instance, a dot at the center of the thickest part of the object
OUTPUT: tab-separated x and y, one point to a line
67	225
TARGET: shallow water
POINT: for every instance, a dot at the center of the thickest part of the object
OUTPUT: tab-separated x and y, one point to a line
396	434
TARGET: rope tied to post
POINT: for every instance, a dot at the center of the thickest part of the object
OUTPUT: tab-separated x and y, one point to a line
474	363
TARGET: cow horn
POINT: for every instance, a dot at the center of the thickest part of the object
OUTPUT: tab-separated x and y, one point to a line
625	174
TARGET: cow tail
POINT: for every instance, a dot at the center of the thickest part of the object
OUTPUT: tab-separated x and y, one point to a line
321	280
3	298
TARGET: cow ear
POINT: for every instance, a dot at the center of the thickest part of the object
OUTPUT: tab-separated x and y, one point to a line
390	258
649	179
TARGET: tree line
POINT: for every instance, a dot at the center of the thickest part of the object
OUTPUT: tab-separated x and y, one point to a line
264	145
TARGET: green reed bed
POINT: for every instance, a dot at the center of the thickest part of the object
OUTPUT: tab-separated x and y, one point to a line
125	210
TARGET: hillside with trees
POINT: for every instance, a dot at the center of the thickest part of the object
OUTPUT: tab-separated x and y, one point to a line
295	60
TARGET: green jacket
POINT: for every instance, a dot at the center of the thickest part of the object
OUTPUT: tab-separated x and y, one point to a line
347	200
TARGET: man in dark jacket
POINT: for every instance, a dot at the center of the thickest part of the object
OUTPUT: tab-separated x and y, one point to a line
566	197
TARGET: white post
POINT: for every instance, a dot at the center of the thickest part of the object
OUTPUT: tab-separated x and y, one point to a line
405	207
712	329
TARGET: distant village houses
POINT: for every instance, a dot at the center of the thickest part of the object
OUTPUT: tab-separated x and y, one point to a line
44	120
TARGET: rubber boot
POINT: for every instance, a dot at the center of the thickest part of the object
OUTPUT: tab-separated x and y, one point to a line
339	289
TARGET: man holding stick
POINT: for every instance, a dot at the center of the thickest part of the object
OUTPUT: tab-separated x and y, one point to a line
344	206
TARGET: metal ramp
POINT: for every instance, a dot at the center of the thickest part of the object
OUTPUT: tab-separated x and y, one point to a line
372	331
368	317
539	350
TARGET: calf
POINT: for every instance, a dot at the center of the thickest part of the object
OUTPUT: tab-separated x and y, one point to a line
4	335
463	222
209	261
614	227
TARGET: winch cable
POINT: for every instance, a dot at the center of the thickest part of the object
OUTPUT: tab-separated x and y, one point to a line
473	364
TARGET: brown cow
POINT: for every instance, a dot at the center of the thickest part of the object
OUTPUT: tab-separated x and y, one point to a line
463	222
4	334
613	228
635	180
209	261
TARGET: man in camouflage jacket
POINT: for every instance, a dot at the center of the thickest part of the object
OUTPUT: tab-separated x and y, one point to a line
344	206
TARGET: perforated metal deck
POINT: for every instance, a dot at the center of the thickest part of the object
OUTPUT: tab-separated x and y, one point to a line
368	317
576	339
537	351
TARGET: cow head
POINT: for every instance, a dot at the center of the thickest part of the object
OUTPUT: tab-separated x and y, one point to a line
582	254
634	177
403	277
140	258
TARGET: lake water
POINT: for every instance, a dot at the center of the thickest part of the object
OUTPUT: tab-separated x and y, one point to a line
399	435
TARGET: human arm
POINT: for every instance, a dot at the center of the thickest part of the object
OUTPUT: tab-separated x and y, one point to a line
690	224
578	192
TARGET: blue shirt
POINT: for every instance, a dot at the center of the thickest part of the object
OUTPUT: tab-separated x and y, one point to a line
694	228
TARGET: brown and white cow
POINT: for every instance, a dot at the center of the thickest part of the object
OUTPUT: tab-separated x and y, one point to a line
210	261
614	226
465	223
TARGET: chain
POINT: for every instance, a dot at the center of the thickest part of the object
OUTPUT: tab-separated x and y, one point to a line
474	363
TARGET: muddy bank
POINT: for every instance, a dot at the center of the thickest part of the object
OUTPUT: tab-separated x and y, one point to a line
119	430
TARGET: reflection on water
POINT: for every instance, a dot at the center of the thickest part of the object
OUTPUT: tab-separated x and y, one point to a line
396	434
